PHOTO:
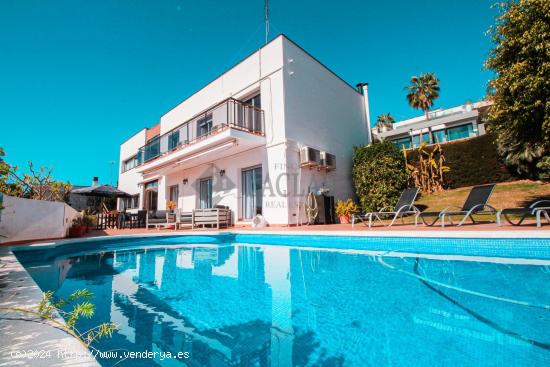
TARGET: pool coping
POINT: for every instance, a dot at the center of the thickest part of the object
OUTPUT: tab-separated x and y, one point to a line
32	341
530	234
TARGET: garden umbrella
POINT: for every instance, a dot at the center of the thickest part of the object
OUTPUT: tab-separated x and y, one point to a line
104	191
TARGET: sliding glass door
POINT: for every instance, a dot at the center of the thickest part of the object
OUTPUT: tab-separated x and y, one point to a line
252	192
205	192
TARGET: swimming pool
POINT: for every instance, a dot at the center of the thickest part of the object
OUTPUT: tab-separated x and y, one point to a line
256	300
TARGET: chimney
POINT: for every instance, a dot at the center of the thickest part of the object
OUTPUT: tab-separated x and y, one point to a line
363	88
95	181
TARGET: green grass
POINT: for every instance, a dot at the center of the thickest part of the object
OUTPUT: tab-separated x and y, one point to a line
506	195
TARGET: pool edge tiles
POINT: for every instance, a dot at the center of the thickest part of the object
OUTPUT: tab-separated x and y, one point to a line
530	248
31	341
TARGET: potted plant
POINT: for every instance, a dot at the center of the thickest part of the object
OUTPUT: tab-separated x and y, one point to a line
170	205
88	221
344	209
78	229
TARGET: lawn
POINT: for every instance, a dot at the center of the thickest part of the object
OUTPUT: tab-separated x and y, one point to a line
506	195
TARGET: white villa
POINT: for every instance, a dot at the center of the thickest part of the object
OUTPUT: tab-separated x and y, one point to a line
444	125
256	139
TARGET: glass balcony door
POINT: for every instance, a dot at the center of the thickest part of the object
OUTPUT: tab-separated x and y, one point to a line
252	192
205	193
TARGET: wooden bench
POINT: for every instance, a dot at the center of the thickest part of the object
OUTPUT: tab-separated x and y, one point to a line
213	217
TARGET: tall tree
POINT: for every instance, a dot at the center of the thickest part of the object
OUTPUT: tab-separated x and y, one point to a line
39	184
384	120
520	115
422	92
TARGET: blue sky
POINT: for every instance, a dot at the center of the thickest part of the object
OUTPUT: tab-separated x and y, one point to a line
79	77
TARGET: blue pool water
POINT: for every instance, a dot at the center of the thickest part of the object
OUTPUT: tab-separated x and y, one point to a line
252	300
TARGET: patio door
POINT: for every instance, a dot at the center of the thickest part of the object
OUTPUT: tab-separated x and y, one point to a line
151	195
205	193
252	192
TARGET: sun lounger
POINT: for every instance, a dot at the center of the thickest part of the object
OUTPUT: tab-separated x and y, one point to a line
476	203
403	207
537	210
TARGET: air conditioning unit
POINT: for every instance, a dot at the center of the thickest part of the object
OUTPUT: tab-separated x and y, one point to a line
309	157
328	161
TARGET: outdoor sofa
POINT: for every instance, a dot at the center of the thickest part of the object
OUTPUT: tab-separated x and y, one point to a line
217	217
160	218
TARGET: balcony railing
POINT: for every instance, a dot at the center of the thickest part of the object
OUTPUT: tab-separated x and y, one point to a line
229	113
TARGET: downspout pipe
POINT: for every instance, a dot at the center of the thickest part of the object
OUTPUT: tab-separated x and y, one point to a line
363	88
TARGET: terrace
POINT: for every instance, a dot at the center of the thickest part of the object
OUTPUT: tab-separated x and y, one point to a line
212	129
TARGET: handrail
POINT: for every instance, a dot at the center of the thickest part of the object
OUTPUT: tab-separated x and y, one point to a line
228	113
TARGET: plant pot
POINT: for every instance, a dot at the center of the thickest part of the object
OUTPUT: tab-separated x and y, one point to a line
77	231
344	219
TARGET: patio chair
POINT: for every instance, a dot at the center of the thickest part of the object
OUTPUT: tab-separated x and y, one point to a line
160	218
403	207
183	218
476	203
536	209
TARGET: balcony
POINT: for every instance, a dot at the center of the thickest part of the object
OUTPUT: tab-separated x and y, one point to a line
229	114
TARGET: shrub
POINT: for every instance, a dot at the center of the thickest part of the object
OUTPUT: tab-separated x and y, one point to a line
379	175
472	162
346	208
544	168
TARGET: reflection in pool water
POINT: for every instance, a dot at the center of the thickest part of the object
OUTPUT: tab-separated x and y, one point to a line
253	305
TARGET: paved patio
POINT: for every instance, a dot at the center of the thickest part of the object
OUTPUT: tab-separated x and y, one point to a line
396	229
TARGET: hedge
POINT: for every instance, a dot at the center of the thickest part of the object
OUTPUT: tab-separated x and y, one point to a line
473	161
379	175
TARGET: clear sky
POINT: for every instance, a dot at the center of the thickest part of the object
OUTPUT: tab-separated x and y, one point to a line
79	77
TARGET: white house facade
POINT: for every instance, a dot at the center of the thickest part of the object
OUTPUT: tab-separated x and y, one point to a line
257	139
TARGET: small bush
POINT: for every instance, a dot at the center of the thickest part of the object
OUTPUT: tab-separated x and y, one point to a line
379	175
346	208
472	162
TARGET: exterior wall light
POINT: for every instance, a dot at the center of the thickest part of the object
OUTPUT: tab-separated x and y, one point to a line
222	173
185	181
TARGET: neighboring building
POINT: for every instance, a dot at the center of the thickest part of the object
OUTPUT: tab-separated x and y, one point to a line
253	139
444	125
82	202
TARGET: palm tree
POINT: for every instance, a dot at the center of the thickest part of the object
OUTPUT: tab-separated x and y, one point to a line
384	120
423	91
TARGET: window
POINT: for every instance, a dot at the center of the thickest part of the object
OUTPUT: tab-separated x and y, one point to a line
130	203
252	192
174	194
173	140
205	192
151	195
152	149
460	132
255	101
204	125
416	139
402	142
129	163
253	116
439	136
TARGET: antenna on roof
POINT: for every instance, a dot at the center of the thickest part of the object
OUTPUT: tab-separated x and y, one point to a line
266	19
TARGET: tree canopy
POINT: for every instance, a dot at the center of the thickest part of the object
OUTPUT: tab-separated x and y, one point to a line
37	184
520	115
423	91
